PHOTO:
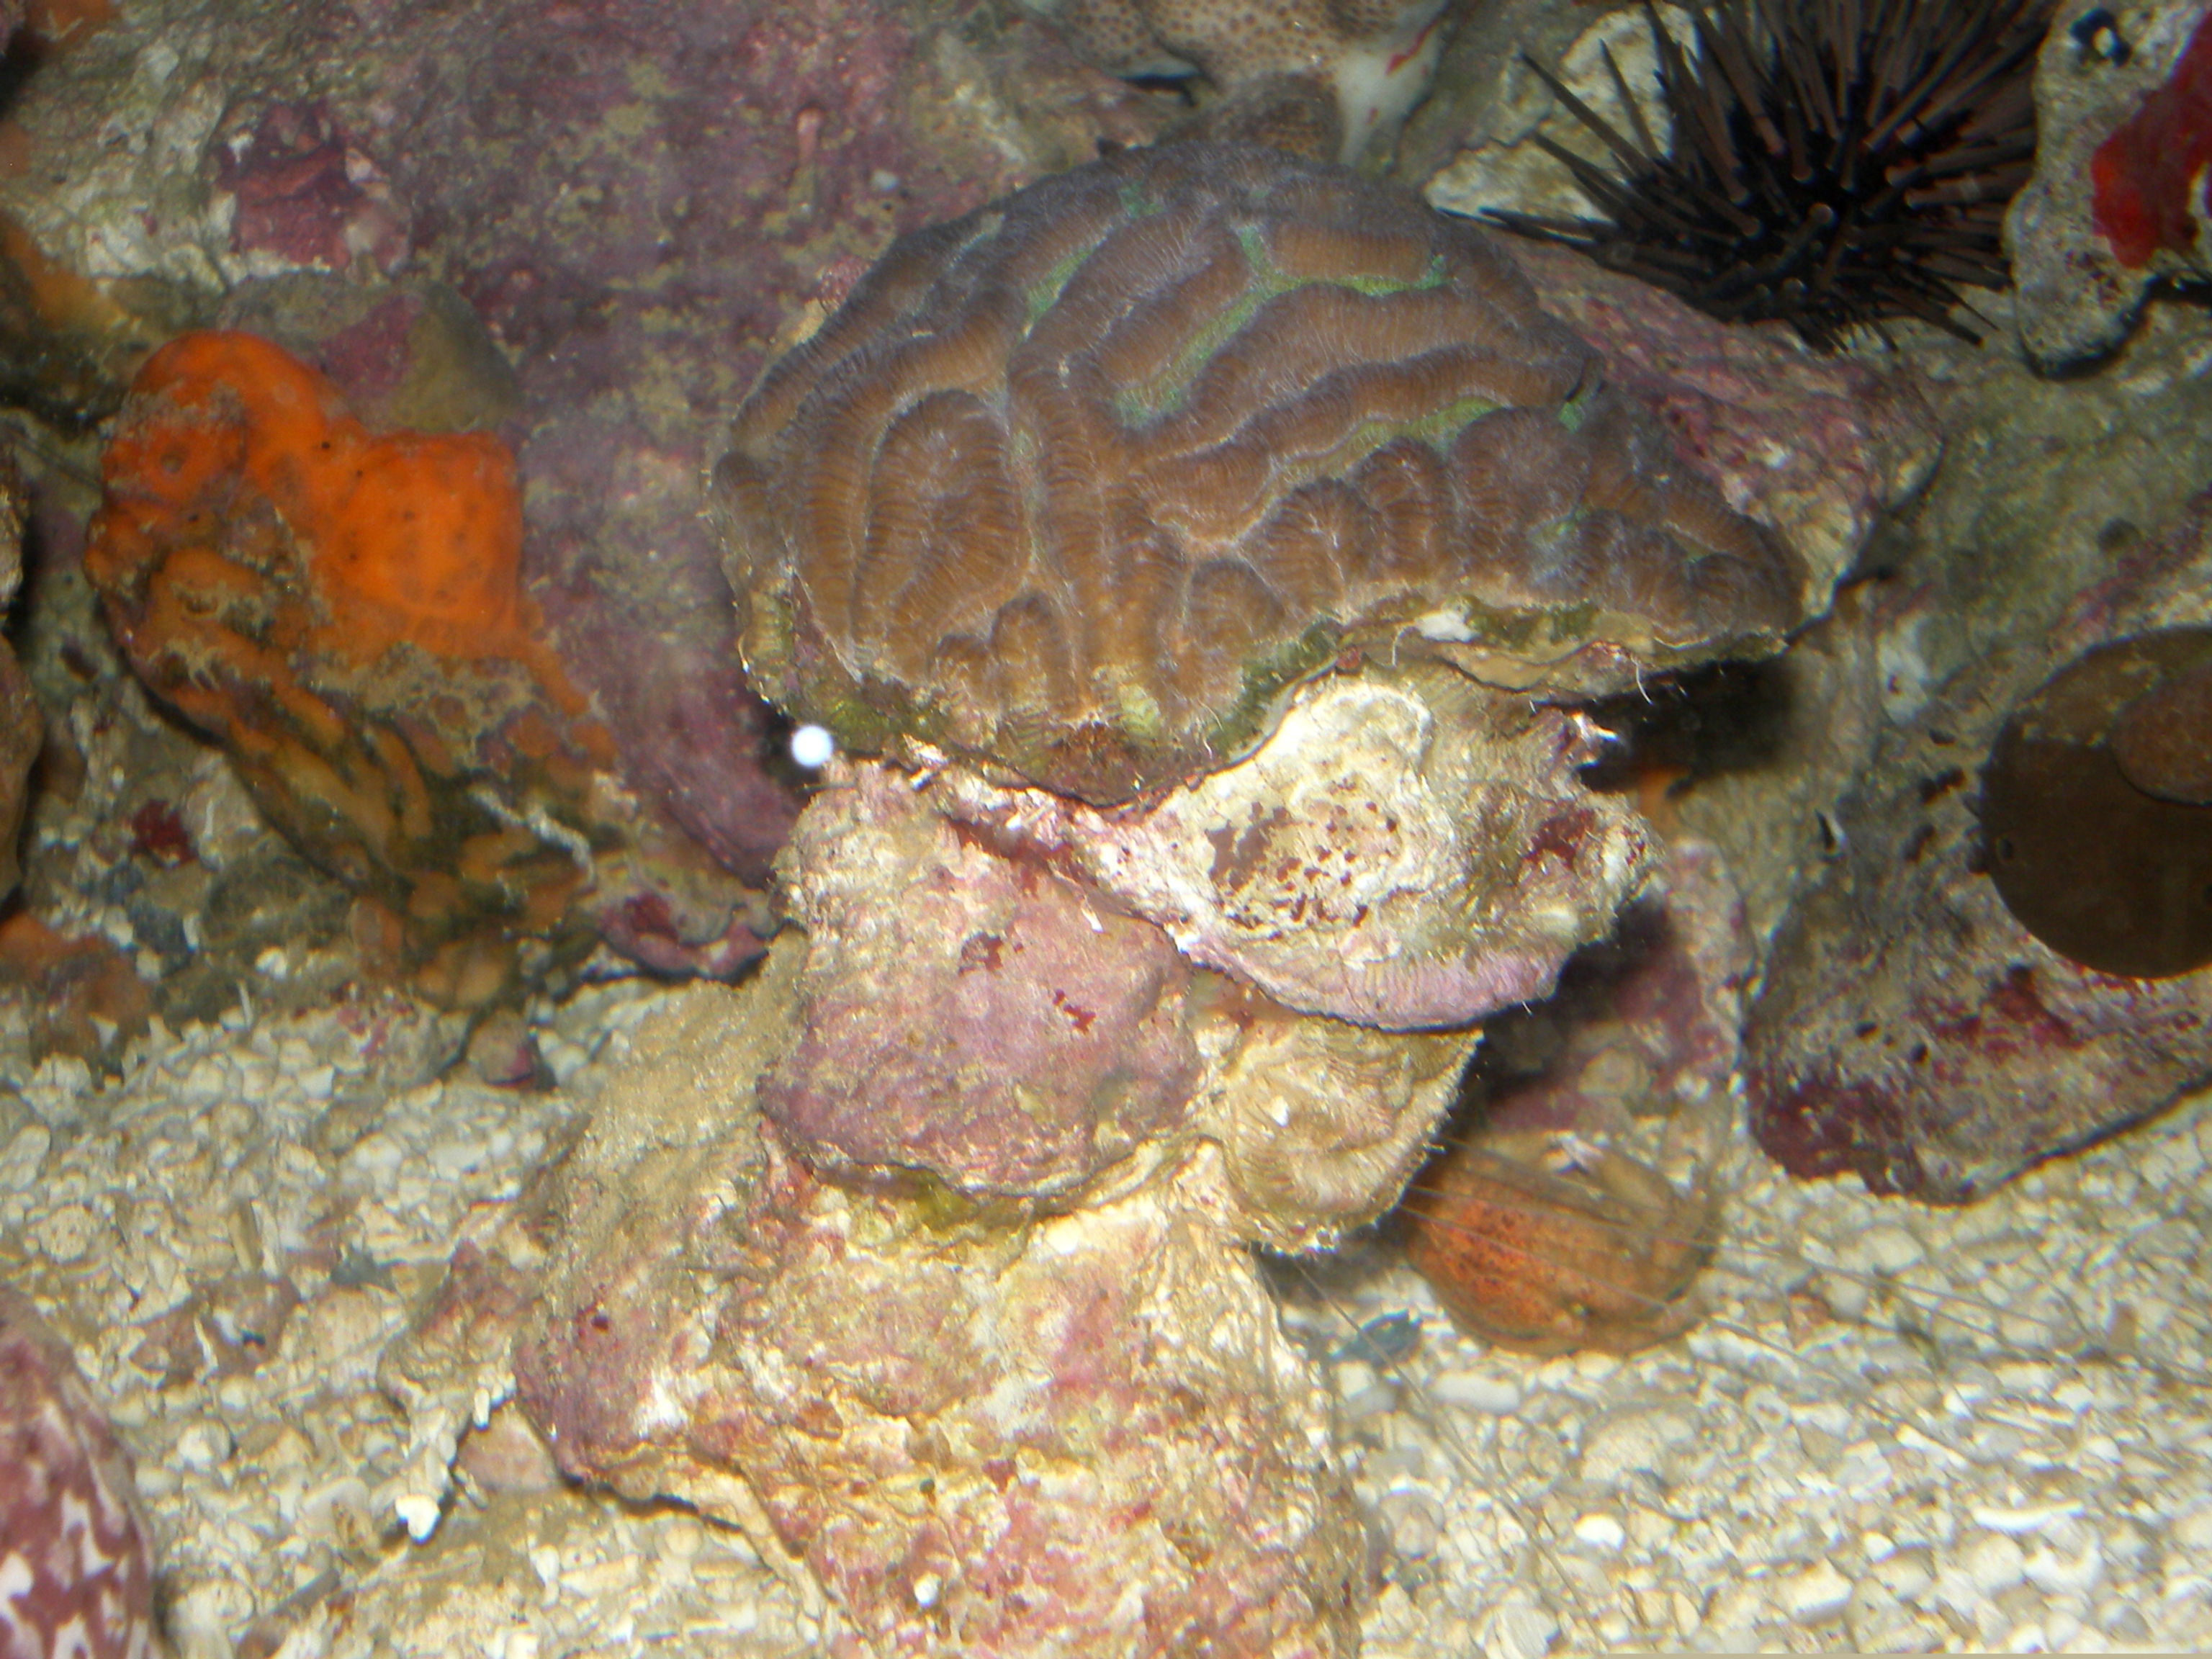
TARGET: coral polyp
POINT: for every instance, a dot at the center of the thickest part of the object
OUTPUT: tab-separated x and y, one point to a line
1832	164
1081	484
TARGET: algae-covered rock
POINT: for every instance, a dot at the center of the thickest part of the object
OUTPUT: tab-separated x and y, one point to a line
980	1434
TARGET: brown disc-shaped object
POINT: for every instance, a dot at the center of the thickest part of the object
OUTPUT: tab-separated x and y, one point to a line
2163	739
1078	486
2095	824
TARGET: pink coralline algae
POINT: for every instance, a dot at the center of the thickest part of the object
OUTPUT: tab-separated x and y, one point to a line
1043	1034
1351	867
75	1574
307	196
983	1434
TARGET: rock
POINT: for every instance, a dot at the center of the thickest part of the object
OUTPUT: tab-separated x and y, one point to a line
2115	206
1405	850
978	1432
76	1561
978	1015
1910	1027
1817	449
1645	1023
1328	81
85	998
1816	1596
1494	164
1199	799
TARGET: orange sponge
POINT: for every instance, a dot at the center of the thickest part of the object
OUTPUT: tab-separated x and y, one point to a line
408	536
343	610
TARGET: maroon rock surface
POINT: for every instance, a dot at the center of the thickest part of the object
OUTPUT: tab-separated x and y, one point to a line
974	1013
1646	1022
1814	447
76	1577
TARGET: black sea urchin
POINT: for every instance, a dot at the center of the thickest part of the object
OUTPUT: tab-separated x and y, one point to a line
1834	162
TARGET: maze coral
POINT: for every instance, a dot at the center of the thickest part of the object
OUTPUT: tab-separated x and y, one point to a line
343	610
1079	485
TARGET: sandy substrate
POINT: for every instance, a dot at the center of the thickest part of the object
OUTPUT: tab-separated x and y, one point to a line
1898	1428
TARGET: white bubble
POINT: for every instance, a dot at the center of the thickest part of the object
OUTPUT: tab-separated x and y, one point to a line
811	747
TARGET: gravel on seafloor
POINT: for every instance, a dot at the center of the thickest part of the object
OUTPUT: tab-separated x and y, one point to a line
1899	1428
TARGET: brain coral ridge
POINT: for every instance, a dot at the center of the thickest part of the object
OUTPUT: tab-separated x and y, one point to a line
1080	484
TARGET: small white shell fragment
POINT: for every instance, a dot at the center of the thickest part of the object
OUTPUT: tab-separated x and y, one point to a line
1415	1521
64	1234
2019	1522
23	1157
1819	1593
418	1513
1498	1396
203	1444
1600	1532
1886	1249
1519	1630
1992	1563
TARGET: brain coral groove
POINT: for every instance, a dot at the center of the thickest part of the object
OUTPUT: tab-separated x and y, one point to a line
1080	484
